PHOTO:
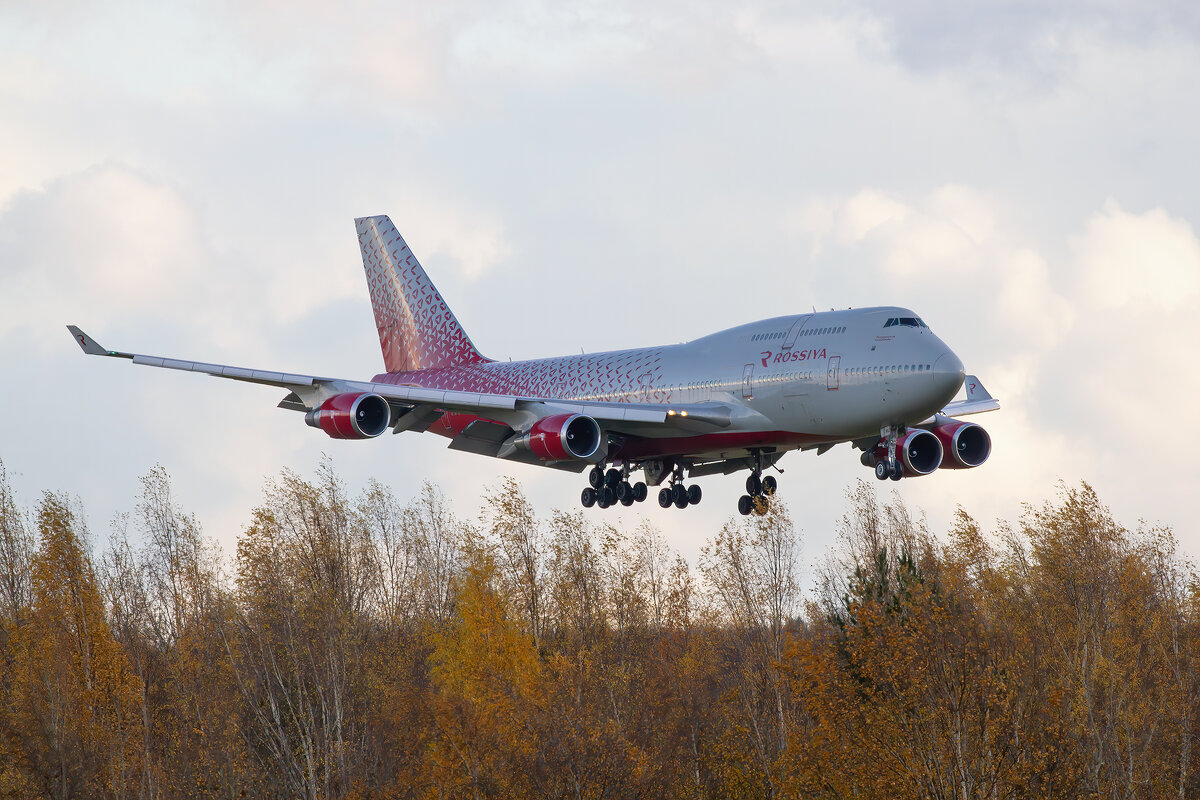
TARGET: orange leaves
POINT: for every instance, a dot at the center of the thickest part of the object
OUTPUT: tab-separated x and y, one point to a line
367	648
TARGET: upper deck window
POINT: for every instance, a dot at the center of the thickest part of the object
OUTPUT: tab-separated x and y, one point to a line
909	322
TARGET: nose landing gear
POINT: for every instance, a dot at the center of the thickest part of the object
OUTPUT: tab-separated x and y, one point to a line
889	466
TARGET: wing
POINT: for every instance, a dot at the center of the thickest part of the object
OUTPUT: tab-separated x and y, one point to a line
978	400
416	408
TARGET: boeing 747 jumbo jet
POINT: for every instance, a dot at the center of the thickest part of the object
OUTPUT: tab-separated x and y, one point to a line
739	399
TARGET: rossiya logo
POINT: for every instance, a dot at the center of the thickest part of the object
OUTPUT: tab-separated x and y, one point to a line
790	356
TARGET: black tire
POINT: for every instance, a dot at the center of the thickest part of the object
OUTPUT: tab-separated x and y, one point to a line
601	502
770	485
762	504
753	485
664	497
612	478
745	504
881	470
639	491
897	471
596	478
624	490
588	497
681	502
627	500
694	494
679	493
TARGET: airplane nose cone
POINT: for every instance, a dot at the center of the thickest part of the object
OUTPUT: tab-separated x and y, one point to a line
948	372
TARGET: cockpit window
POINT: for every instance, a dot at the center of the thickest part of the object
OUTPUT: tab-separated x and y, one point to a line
908	322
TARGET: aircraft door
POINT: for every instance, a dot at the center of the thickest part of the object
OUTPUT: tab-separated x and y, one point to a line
747	387
835	364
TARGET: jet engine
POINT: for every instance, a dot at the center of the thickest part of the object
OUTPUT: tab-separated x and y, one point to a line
965	443
351	416
919	451
563	437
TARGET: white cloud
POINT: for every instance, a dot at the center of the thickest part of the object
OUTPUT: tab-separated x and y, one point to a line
1149	260
97	244
641	155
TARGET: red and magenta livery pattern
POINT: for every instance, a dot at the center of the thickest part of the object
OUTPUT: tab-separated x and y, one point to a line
418	333
417	330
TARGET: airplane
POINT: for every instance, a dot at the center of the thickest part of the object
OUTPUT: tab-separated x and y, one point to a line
877	378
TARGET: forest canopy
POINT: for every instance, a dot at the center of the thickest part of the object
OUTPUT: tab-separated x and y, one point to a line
368	645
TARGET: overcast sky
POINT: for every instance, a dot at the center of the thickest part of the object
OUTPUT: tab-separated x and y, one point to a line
181	179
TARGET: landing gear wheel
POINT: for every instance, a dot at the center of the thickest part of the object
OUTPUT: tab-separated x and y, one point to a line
664	497
624	490
753	484
588	497
681	502
612	478
881	470
897	471
769	485
596	478
678	493
694	494
627	500
609	496
745	504
601	502
761	505
639	492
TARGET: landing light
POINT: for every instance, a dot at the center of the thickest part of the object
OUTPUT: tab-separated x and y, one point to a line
683	413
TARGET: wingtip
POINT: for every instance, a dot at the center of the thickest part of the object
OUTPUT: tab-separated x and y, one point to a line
87	343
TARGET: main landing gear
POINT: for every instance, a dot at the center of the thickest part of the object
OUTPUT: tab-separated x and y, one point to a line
759	490
677	494
611	487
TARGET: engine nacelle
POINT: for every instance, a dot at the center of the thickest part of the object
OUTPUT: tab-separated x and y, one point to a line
919	452
966	444
563	437
352	416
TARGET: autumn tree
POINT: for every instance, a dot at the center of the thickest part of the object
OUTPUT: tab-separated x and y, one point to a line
75	701
299	637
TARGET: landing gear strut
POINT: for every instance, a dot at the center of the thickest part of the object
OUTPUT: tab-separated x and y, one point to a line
889	466
677	494
757	498
607	488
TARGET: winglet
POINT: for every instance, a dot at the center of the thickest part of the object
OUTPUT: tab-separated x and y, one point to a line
91	346
978	400
975	391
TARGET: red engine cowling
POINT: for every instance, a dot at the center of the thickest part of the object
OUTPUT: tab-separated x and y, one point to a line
563	437
965	443
352	416
919	451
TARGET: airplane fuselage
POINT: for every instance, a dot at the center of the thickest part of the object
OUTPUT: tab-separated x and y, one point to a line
799	380
733	400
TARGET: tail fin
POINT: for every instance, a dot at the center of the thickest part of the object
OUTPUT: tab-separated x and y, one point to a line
417	330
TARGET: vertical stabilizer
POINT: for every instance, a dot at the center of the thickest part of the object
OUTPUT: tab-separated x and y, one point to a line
417	330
